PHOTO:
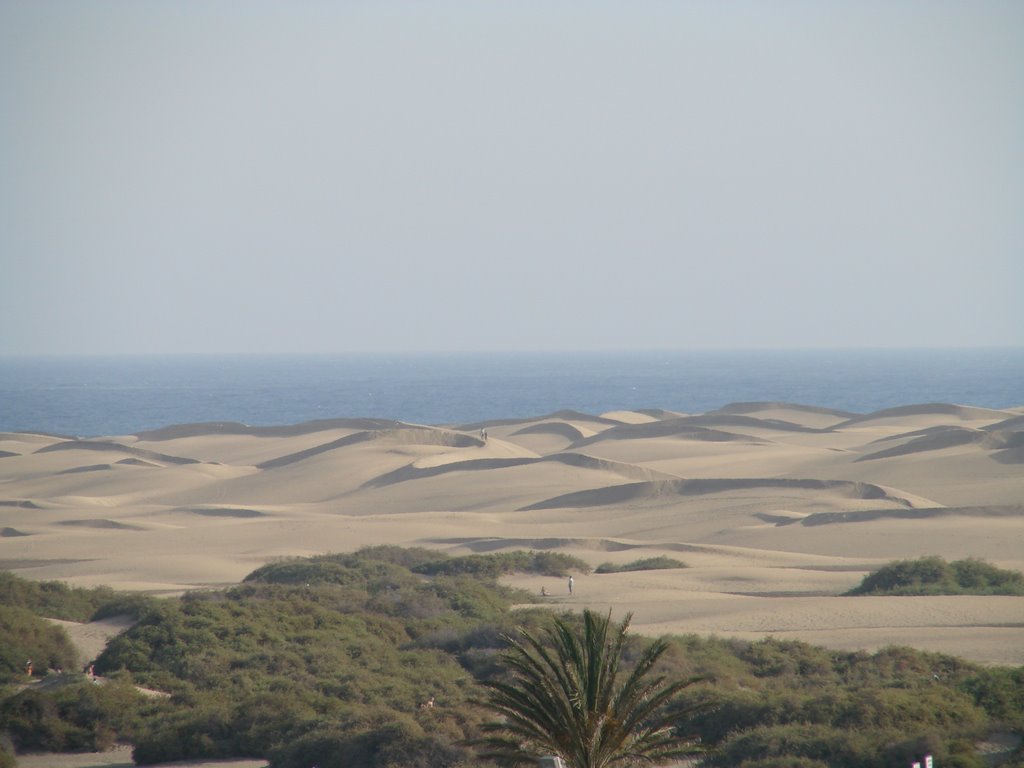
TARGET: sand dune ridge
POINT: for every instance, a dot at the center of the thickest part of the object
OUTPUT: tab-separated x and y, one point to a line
178	431
110	445
413	472
617	494
420	436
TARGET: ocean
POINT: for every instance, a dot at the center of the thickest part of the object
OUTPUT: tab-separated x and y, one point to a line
92	396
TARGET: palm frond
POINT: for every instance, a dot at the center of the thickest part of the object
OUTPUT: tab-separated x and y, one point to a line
563	696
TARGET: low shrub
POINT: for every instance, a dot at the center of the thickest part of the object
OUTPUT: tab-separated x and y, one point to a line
935	576
646	564
57	600
75	717
7	759
495	565
25	636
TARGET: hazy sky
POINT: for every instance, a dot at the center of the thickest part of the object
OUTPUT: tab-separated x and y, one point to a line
350	176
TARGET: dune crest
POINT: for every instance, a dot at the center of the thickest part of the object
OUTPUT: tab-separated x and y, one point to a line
680	428
680	487
114	447
287	430
755	407
407	435
957	412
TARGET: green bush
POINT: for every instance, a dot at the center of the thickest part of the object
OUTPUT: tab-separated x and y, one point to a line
24	636
407	557
326	747
374	742
7	759
934	576
645	564
999	691
493	566
803	741
260	664
77	716
56	600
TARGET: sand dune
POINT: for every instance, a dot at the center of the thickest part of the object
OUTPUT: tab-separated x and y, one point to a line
413	472
1014	455
944	411
99	522
940	438
225	512
105	445
564	415
288	430
742	421
828	518
659	489
935	439
561	428
656	413
763	407
1012	423
777	508
409	436
679	428
636	417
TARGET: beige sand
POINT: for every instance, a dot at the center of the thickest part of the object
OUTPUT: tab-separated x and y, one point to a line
776	508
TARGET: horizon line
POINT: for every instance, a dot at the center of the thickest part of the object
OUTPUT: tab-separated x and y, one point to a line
511	351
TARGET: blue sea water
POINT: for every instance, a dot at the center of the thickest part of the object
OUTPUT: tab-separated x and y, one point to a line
90	396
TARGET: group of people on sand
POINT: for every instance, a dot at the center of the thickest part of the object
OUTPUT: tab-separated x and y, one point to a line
544	590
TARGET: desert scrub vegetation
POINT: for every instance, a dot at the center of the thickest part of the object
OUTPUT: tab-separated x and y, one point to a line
76	715
367	659
493	566
644	564
935	576
340	568
24	636
56	600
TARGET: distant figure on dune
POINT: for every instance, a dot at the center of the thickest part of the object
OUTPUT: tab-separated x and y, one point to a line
483	434
543	591
570	585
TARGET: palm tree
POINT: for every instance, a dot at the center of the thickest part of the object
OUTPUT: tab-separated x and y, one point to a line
564	698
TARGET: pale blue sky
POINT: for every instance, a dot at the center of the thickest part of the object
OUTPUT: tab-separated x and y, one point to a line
351	176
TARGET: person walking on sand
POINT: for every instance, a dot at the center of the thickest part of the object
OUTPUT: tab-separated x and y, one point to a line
570	585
